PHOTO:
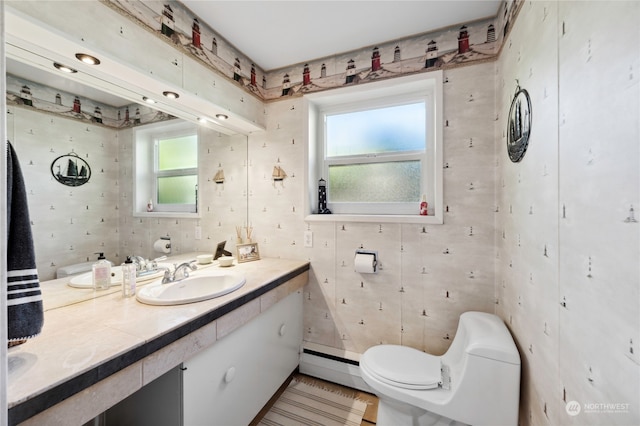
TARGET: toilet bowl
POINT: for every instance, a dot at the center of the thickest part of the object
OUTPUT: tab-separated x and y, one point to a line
477	381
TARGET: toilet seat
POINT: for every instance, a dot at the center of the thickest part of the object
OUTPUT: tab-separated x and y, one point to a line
402	366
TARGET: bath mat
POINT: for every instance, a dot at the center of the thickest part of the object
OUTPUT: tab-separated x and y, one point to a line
305	404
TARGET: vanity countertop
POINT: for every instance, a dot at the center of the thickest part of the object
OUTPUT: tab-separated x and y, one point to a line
88	339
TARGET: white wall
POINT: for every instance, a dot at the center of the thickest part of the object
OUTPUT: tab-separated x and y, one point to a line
568	278
406	302
69	224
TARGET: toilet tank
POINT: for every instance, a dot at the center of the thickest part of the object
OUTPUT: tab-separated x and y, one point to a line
485	371
485	335
74	269
488	337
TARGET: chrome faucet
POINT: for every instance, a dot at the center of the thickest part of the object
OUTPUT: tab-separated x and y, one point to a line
180	272
140	263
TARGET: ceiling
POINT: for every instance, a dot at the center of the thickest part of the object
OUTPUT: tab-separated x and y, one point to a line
276	34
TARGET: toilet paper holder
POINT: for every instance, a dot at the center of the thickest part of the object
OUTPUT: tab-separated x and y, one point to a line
163	245
370	252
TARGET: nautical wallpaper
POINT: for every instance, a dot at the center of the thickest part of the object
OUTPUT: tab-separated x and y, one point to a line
551	244
69	224
464	44
567	231
53	101
429	274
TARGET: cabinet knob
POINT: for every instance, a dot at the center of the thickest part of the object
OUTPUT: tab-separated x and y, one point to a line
230	375
283	330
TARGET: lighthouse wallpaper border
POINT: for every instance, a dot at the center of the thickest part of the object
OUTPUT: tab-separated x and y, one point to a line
460	45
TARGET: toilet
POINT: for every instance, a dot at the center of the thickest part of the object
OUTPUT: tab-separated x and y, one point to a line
477	381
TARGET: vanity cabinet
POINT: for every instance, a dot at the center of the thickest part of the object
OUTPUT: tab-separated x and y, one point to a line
229	382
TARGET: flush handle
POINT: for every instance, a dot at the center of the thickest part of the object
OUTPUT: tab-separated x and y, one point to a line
283	330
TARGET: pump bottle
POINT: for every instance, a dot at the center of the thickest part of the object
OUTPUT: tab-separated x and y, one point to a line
128	278
101	273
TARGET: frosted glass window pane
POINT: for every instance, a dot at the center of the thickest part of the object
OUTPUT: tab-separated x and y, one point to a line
375	182
383	130
177	189
178	153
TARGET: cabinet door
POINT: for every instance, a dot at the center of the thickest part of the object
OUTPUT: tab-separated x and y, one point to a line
229	382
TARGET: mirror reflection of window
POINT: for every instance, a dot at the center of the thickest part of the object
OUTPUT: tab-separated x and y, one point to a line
166	168
177	171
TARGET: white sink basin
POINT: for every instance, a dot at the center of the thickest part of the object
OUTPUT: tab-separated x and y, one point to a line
192	289
86	280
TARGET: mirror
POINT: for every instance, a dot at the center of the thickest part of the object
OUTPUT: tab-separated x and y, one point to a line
51	120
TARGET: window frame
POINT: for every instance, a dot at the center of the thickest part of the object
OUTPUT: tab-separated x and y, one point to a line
422	156
145	148
192	171
429	86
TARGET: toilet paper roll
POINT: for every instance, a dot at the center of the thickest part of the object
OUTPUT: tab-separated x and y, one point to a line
365	263
162	246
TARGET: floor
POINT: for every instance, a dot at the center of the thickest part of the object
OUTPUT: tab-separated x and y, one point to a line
370	415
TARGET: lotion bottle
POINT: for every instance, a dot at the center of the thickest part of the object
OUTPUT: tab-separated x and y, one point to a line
128	278
423	206
101	273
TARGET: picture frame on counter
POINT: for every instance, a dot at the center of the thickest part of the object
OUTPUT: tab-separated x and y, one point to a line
248	252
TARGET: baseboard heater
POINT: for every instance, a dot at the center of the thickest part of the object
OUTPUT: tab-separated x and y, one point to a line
332	368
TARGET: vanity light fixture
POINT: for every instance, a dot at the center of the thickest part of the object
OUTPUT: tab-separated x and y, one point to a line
64	68
170	95
148	100
88	59
222	116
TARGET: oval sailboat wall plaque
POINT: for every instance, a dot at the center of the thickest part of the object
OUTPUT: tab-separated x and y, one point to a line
519	126
71	170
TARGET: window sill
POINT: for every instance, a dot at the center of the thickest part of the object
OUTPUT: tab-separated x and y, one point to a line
388	218
169	215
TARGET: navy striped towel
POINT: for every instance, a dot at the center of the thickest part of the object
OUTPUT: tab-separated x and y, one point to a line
24	299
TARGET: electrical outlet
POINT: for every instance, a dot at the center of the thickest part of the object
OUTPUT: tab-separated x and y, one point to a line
198	233
308	239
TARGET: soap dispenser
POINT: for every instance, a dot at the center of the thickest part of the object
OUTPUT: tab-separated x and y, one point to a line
101	273
128	278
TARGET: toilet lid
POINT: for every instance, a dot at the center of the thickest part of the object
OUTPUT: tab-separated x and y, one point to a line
402	366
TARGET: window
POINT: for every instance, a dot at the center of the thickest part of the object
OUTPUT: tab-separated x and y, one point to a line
374	158
167	168
176	172
379	148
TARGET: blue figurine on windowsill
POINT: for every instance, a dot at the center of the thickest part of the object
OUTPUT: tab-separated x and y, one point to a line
322	197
